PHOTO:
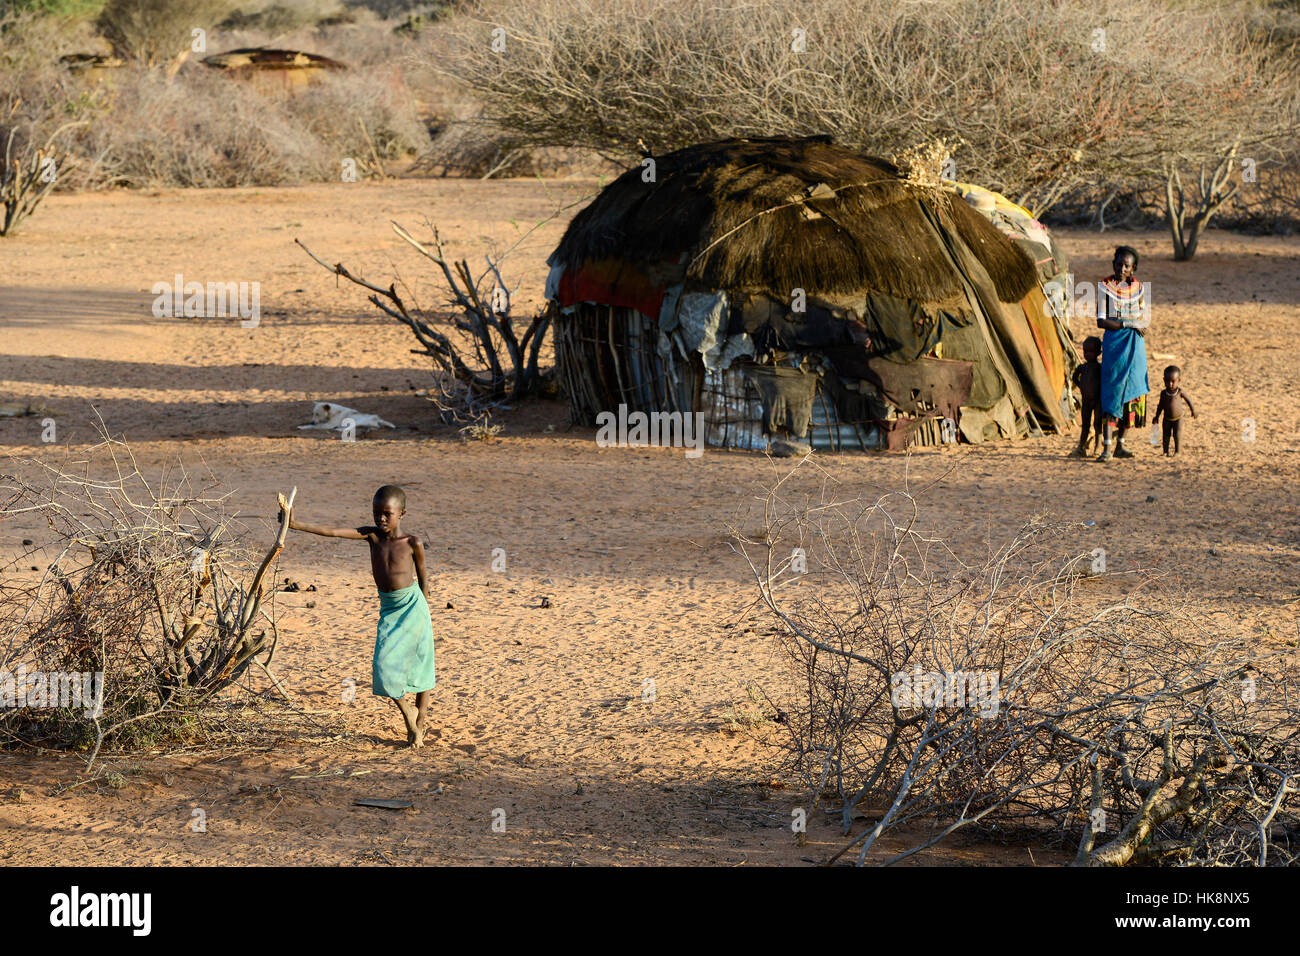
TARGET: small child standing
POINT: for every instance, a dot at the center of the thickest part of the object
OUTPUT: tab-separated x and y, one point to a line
1172	401
403	661
1087	378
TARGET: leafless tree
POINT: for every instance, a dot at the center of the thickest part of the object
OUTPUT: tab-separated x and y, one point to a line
28	169
481	358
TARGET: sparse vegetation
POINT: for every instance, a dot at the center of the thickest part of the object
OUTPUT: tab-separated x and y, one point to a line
199	127
1048	100
1132	729
1032	97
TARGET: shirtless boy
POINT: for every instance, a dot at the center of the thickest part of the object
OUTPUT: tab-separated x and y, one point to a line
403	661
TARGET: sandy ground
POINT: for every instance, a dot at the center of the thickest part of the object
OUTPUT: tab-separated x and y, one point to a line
539	711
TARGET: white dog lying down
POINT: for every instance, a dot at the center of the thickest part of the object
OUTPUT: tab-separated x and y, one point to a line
332	415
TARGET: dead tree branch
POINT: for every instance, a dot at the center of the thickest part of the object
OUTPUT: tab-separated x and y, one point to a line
484	361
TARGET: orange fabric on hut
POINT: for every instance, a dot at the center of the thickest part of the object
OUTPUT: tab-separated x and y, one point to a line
1043	328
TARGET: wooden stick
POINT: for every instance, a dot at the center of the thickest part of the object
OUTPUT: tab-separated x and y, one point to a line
255	589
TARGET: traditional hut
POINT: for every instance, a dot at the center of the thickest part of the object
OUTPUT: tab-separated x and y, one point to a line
288	70
78	62
796	291
93	68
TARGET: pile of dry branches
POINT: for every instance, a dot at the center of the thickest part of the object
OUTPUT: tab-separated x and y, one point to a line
149	584
1130	729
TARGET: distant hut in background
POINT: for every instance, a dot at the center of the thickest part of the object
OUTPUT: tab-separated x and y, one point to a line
91	61
797	292
93	67
289	70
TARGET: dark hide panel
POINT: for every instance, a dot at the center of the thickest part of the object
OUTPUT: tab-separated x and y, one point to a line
787	397
923	388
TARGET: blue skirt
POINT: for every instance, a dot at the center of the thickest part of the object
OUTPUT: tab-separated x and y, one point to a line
1123	370
403	661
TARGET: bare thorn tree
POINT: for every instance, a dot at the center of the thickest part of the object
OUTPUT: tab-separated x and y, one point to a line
484	361
1210	196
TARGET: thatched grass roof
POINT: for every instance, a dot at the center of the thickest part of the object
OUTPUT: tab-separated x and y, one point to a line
778	214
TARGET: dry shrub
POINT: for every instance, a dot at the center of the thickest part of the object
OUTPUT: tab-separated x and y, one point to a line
468	145
202	128
400	9
464	141
152	583
1133	729
30	73
41	109
205	129
352	36
31	44
157	33
1272	203
1039	110
333	110
281	17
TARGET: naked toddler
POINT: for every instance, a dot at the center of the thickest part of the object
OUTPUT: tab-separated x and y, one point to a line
1173	400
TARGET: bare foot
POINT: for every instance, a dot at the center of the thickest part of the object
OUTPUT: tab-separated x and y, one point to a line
414	733
422	714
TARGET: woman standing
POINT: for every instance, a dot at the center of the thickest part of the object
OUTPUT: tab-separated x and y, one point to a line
1124	312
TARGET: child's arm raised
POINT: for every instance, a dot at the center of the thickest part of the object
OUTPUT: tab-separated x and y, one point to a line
353	533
